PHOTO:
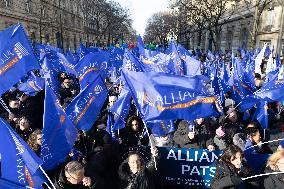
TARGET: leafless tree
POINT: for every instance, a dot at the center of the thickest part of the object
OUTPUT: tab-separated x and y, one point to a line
206	14
255	9
105	18
160	27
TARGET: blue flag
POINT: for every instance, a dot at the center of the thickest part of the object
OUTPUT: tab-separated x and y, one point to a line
160	96
271	91
183	52
109	126
50	71
67	66
131	63
85	108
58	134
121	108
161	128
262	115
7	184
116	57
32	86
18	162
90	66
174	62
81	51
72	58
16	56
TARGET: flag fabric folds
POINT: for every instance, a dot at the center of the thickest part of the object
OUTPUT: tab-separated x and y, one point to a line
32	86
16	56
88	68
121	108
161	128
161	96
58	133
18	162
85	108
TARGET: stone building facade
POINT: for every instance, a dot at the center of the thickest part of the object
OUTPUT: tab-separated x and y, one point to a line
237	32
45	19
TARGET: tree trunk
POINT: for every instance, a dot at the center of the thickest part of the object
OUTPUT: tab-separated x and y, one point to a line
199	38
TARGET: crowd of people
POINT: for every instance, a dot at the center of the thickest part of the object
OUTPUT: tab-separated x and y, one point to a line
99	160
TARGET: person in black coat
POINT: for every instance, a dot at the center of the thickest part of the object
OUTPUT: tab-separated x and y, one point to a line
135	174
134	134
194	135
67	91
275	164
72	176
229	170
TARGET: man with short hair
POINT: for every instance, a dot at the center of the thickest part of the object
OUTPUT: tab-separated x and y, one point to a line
73	177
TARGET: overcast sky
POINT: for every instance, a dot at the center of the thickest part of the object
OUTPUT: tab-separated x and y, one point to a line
141	10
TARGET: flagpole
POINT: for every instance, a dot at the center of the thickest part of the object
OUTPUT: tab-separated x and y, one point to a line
137	106
47	185
4	105
264	134
47	177
264	143
260	175
151	143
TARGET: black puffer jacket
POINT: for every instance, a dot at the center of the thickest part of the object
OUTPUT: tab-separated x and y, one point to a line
227	178
142	180
61	182
273	181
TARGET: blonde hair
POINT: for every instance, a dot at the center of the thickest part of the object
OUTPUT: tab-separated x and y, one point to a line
274	158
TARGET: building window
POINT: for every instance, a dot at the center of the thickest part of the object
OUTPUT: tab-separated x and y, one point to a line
47	38
229	40
244	36
28	6
43	11
74	42
5	3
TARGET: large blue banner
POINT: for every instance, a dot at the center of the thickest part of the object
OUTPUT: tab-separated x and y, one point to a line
160	96
16	56
85	108
187	167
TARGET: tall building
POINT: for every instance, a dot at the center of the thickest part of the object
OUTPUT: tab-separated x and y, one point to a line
46	20
237	31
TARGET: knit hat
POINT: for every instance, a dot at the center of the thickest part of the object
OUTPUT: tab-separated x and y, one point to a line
220	132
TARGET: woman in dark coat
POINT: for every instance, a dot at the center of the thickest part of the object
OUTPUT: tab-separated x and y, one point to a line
230	169
135	174
134	134
275	164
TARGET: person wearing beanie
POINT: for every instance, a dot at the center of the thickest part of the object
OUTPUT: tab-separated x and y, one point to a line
219	139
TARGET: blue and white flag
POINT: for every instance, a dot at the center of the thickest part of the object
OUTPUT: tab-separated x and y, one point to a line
161	128
16	56
32	86
174	61
131	63
85	108
89	67
58	133
18	162
121	108
160	96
